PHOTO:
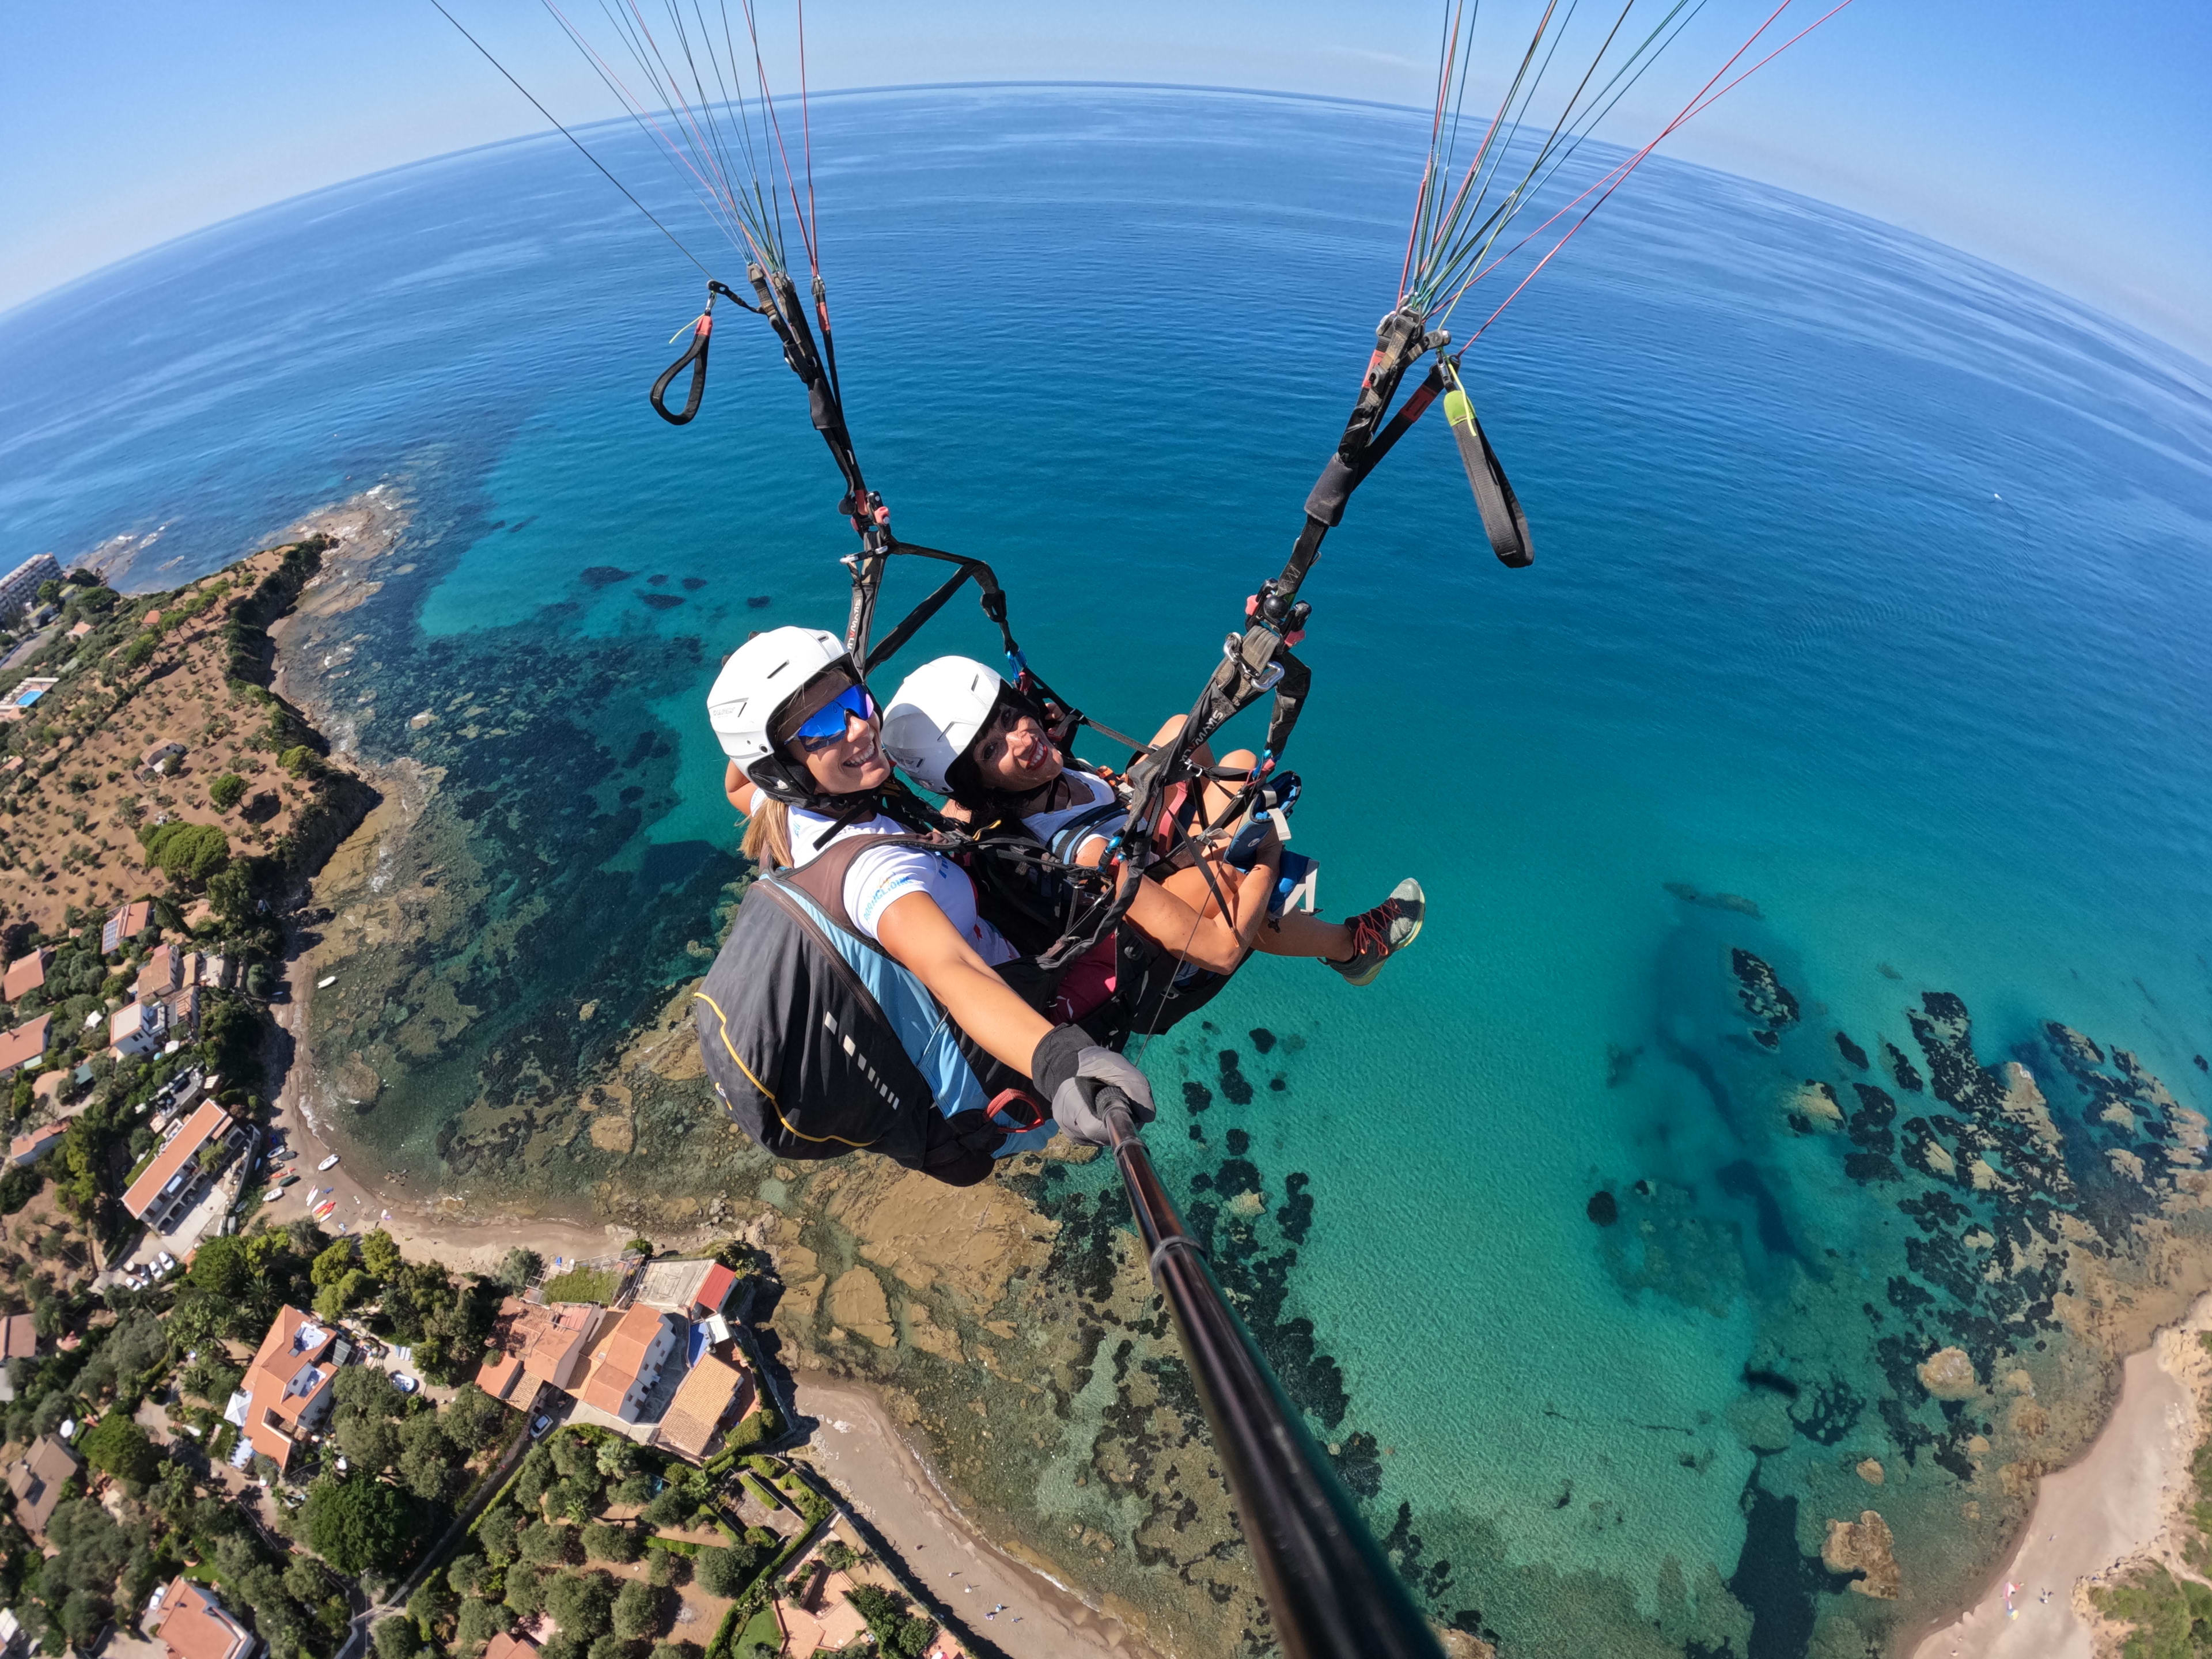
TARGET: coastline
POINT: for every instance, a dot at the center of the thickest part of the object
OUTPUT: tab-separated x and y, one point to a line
2115	1507
857	1443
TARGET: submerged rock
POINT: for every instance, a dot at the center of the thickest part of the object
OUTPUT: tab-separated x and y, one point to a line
1948	1374
1863	1546
1870	1471
1603	1208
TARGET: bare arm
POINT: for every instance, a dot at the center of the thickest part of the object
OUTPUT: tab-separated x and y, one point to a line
1198	932
740	788
915	933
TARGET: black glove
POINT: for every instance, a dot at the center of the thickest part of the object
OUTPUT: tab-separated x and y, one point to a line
1070	1070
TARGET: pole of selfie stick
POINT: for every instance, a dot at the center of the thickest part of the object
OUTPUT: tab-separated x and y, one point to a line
1331	1593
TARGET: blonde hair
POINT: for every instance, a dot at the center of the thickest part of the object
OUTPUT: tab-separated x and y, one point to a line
767	833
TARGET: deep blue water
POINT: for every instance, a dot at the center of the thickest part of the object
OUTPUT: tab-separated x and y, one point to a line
1871	585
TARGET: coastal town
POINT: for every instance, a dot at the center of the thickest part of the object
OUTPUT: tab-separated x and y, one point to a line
234	1420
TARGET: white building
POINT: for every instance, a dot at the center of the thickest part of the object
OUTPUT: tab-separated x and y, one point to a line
20	586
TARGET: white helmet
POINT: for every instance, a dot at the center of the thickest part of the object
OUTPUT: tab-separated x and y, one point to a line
938	711
759	679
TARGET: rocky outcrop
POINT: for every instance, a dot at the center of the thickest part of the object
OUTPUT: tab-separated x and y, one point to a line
1863	1546
1948	1374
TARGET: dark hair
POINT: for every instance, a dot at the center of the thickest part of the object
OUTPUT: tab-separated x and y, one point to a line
962	779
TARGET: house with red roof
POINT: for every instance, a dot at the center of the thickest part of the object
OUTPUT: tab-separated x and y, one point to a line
532	1344
190	1624
25	974
128	922
162	976
627	1359
288	1386
25	1045
173	1182
19	1336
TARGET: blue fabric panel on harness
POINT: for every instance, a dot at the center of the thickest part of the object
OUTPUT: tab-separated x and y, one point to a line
923	1028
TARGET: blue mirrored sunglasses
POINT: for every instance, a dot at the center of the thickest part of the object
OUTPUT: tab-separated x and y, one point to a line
826	725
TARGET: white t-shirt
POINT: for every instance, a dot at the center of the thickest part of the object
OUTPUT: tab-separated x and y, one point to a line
1088	791
877	877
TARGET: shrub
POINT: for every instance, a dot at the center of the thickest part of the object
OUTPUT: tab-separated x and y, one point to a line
667	1568
898	1635
611	1647
225	793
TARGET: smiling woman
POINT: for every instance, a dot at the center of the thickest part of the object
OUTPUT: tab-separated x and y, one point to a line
802	734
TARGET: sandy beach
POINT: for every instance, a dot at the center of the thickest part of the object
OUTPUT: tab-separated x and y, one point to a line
2116	1505
859	1450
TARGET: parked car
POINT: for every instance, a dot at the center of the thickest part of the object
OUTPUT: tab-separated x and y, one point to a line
405	1384
537	1429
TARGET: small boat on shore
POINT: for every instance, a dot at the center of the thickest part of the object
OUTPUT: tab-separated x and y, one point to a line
329	1162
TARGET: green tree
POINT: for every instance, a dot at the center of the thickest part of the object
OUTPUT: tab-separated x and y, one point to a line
474	1419
225	793
544	1545
430	1465
723	1572
380	1254
667	1568
370	1444
516	1269
431	1606
605	1542
466	1573
332	1265
611	1647
117	1446
359	1524
525	1590
638	1610
496	1531
898	1635
478	1623
581	1603
189	853
396	1638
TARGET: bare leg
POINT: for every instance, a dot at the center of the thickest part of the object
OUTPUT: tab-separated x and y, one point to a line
1300	933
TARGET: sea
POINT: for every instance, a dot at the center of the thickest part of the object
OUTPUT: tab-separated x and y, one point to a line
1855	704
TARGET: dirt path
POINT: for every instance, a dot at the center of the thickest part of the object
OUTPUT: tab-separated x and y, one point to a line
860	1451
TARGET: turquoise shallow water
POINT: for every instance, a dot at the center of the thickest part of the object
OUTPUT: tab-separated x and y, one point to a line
1872	586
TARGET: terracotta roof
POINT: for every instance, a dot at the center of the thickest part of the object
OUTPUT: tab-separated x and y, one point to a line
544	1342
162	974
35	1144
200	1128
19	1336
714	1289
620	1356
193	1625
128	922
25	1043
289	1374
707	1392
506	1645
37	1479
25	974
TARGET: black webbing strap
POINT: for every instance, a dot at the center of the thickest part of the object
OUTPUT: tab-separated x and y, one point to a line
1502	520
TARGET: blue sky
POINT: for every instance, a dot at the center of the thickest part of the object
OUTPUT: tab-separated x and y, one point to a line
2065	140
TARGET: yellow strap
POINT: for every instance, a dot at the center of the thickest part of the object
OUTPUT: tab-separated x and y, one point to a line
775	1106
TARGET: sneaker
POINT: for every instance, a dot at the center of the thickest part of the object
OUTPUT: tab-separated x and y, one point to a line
1379	934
